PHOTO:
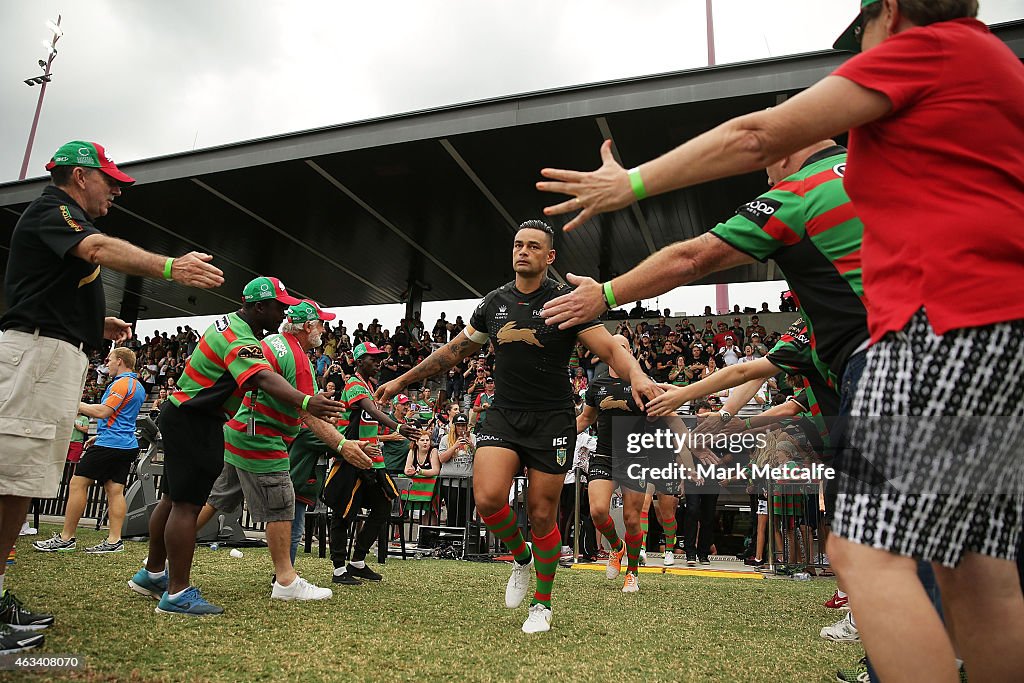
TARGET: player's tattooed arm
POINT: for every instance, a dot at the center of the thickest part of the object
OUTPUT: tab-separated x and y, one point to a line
445	358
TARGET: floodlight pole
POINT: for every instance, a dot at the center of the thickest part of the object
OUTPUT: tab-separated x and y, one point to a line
709	13
39	102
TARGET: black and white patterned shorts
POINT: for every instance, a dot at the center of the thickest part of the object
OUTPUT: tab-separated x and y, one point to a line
925	384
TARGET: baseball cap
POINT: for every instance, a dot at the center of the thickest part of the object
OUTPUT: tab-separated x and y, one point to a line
489	379
307	311
849	40
366	348
88	155
401	398
265	287
460	419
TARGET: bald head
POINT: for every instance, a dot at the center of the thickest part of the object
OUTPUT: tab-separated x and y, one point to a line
787	166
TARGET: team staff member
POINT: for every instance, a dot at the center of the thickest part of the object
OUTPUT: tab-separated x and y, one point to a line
395	446
348	489
55	313
255	455
532	421
228	362
109	459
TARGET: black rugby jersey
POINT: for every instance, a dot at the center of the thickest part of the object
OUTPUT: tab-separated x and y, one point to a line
531	358
613	398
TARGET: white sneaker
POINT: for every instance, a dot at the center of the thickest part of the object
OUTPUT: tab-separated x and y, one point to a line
843	631
643	557
518	584
632	584
27	530
539	620
300	589
670	559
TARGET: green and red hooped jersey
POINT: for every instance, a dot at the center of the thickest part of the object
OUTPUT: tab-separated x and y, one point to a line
808	225
356	423
794	356
227	356
276	422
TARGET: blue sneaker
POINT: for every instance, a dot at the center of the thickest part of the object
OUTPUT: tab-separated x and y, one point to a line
151	588
189	602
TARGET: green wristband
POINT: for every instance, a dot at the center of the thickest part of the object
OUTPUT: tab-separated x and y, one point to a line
305	402
609	296
168	264
639	191
747	423
341	444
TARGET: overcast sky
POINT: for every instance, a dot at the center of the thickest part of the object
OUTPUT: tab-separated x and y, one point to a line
147	78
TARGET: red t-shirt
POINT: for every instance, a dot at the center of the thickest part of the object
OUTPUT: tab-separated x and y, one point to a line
939	182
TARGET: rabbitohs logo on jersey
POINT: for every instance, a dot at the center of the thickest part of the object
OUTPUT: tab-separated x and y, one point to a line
222	323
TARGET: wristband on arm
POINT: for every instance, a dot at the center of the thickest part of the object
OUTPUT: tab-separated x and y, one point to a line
168	264
341	444
609	296
305	402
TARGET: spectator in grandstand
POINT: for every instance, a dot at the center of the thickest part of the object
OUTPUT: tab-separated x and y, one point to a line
738	332
154	409
482	405
729	353
455	384
579	381
928	265
109	457
748	354
55	316
422	467
755	327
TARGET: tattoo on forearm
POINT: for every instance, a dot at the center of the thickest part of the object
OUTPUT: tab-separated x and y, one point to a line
441	360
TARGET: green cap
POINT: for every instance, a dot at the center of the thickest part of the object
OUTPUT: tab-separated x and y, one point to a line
264	288
88	155
849	40
307	311
364	349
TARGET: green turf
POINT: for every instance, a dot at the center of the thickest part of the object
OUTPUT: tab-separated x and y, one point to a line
428	620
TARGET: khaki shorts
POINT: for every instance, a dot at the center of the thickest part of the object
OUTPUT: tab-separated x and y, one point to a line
269	496
41	382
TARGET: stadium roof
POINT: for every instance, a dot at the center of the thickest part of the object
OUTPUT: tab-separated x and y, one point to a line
351	214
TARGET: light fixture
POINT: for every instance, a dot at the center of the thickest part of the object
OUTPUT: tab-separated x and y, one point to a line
50	49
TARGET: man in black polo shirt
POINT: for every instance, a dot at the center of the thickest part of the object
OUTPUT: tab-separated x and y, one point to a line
55	315
532	422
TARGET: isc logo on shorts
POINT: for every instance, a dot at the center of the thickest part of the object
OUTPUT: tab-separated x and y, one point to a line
560	441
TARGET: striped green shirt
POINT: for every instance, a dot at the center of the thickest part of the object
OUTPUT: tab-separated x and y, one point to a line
356	423
808	225
226	357
276	423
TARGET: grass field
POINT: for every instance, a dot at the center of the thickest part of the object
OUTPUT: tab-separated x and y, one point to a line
428	620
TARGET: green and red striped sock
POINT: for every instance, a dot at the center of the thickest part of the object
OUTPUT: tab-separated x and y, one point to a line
607	529
643	529
546	551
505	526
669	526
633	552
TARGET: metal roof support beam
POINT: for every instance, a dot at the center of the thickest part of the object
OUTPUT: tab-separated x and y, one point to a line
486	192
389	225
291	238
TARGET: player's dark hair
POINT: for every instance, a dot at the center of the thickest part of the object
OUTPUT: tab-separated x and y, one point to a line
534	224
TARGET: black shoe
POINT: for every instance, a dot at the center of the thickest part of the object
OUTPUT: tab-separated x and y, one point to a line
691	560
364	573
273	580
19	618
346	579
12	641
704	560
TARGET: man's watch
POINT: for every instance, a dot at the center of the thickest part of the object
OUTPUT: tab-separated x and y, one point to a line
725	416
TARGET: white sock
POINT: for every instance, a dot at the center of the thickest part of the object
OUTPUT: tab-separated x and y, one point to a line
361	564
339	571
177	595
840	593
153	576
